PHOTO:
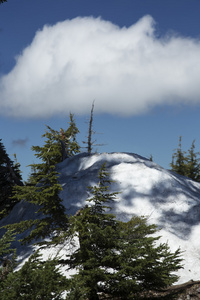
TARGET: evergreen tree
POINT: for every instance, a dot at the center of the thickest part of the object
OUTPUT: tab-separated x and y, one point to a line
72	147
96	232
178	163
151	157
186	164
78	290
7	256
142	264
5	244
43	190
9	177
35	280
193	166
116	258
58	145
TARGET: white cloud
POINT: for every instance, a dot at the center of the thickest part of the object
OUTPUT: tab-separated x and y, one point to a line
126	70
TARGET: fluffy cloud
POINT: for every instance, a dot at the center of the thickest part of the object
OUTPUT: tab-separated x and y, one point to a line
126	70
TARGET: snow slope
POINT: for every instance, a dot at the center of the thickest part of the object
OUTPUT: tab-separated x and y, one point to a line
170	201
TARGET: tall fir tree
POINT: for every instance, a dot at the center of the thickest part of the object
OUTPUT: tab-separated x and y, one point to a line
192	163
72	147
178	163
43	188
10	176
115	258
142	264
186	163
97	234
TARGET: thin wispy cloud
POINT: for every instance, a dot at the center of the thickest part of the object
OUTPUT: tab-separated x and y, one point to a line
20	142
126	70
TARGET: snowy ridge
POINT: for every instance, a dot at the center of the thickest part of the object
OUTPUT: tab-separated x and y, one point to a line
170	201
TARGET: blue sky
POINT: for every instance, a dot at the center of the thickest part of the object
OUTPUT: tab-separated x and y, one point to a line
139	60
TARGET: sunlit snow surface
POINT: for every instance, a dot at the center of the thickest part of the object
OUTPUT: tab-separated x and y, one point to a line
170	201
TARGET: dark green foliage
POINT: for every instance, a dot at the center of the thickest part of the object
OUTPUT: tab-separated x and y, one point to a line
96	231
72	146
7	256
49	207
178	163
193	166
35	280
116	258
78	290
58	145
9	177
43	190
2	1
186	163
151	157
5	243
142	264
41	280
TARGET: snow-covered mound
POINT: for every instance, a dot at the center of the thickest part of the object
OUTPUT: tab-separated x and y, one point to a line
170	201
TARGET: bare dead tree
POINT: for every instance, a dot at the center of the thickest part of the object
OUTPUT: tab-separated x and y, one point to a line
91	132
